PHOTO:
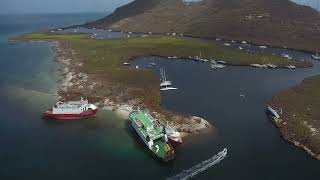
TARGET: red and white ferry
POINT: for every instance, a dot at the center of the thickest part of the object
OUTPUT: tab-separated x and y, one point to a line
71	110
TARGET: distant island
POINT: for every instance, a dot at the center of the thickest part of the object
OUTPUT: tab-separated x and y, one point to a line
277	23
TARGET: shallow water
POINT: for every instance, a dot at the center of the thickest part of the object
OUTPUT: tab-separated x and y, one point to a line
106	147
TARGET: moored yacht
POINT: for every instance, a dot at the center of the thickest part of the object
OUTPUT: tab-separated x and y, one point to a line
271	65
217	66
291	67
165	84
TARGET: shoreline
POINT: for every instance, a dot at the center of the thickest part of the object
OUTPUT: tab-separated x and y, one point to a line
183	58
70	79
299	115
288	136
211	38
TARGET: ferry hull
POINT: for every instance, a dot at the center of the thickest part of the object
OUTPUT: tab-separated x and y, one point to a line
166	159
84	114
154	144
174	141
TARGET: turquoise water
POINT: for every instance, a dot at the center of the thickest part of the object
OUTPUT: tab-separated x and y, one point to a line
104	147
32	147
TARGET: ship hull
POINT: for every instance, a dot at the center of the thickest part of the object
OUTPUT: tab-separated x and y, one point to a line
163	147
140	134
84	114
175	142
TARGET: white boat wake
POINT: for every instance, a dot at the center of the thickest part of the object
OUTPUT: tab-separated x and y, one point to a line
201	167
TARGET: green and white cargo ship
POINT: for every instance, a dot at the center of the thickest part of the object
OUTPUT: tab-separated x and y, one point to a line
152	134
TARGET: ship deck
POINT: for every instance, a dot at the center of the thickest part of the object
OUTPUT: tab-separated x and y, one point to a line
150	128
160	148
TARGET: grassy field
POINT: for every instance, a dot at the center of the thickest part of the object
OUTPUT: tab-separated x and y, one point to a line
301	113
103	61
117	51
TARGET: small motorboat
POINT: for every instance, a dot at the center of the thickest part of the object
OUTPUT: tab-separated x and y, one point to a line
286	56
217	66
271	66
291	67
256	65
316	56
221	62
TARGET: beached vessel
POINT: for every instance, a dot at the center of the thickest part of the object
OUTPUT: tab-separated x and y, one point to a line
152	134
71	110
273	113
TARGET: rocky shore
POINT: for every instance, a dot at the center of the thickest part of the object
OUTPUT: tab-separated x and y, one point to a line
76	83
290	137
299	120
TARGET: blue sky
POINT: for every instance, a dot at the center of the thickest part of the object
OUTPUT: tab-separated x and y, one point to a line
57	6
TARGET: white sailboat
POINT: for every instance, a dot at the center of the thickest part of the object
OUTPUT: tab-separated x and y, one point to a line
165	84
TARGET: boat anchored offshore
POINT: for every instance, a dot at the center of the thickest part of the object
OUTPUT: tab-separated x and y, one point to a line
165	84
217	66
152	134
291	67
71	110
